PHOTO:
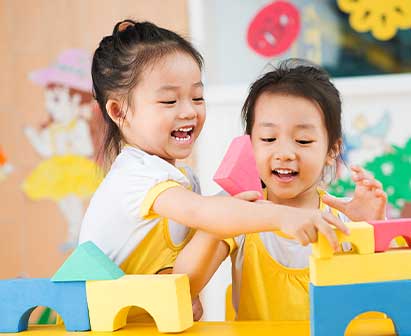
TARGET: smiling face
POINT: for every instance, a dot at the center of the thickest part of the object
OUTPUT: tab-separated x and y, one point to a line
291	148
168	110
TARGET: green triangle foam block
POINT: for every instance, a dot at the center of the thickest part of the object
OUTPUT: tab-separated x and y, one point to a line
87	262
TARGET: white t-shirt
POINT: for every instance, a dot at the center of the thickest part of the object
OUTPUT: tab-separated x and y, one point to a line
112	220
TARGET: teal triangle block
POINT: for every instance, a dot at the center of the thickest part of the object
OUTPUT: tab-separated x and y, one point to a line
87	262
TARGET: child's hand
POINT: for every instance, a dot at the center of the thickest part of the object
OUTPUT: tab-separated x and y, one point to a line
250	195
369	200
197	309
303	224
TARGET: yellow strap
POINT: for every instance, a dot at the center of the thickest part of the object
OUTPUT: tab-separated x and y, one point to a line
232	245
146	210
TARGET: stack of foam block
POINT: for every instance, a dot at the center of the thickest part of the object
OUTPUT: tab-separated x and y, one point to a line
371	277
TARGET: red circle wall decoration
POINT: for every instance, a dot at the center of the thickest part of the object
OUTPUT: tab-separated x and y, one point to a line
274	28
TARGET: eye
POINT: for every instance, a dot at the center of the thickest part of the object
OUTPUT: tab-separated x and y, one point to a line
168	102
199	99
268	139
304	142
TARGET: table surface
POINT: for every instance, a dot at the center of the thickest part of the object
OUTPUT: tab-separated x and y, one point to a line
358	327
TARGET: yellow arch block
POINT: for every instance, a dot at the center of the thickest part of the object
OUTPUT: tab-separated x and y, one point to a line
360	268
361	237
165	297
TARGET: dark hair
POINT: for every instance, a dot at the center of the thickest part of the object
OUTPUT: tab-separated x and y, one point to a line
119	61
302	79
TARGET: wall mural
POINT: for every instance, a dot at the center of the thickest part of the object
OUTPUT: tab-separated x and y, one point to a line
67	173
368	144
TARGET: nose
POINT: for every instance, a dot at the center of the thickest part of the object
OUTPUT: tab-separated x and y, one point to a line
284	153
187	111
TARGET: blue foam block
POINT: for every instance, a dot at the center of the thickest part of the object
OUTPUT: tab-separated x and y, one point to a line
19	297
333	307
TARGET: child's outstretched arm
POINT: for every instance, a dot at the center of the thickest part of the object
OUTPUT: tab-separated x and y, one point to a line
369	200
200	259
227	216
203	255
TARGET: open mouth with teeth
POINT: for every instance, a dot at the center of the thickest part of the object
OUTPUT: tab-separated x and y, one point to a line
285	174
183	134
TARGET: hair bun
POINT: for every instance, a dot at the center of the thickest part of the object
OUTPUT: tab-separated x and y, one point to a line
123	25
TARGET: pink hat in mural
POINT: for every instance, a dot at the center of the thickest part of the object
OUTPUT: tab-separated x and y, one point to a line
72	69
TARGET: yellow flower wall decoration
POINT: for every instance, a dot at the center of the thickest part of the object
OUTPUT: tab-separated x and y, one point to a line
382	17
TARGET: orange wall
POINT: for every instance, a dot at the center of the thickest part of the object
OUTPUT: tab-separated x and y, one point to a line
32	35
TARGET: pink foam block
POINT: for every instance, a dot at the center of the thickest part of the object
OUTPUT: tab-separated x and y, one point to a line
385	231
238	170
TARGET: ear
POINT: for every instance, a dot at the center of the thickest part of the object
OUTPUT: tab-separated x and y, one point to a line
114	110
334	152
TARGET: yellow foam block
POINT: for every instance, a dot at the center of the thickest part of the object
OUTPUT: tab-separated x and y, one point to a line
358	268
361	238
165	297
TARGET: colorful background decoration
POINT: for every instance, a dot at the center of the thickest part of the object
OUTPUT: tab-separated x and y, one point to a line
393	169
67	173
274	28
383	18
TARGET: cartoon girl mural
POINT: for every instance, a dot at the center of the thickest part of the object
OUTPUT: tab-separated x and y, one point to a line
67	174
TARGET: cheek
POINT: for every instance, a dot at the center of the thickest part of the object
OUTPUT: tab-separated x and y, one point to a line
313	164
201	116
162	120
262	158
262	154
